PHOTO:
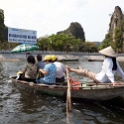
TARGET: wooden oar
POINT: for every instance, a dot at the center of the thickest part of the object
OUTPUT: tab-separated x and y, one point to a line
68	99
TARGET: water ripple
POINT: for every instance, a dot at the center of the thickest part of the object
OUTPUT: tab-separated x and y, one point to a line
25	107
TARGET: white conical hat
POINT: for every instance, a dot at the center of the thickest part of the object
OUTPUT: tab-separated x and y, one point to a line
108	51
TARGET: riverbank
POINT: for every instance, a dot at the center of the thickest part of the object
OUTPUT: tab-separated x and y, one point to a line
22	57
62	57
101	58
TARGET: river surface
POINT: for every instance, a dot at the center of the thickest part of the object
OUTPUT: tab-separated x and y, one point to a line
26	107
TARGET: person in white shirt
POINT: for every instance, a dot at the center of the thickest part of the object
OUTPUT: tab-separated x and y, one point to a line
109	68
60	69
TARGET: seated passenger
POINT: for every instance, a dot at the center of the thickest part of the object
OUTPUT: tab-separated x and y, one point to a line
40	65
60	69
30	70
49	72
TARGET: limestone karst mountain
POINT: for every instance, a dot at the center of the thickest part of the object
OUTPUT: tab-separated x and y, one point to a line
4	29
116	19
76	30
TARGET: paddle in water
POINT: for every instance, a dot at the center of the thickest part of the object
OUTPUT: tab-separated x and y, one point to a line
68	100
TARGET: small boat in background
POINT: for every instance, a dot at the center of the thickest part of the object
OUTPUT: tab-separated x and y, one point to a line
87	91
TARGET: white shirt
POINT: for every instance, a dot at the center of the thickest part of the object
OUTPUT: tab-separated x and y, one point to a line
107	74
60	69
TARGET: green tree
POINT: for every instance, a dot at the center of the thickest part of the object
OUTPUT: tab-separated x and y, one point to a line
106	42
60	42
43	43
88	47
122	26
66	42
118	40
1	25
3	32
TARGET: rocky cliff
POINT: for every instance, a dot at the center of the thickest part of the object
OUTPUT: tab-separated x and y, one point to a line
4	29
116	19
76	30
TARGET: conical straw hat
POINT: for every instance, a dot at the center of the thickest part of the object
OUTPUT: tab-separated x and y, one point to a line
108	51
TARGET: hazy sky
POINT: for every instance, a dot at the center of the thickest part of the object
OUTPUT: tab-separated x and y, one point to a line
50	16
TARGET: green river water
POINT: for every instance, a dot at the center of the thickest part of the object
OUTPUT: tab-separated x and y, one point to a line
26	107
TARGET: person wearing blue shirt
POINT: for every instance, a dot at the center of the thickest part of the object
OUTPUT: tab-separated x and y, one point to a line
49	72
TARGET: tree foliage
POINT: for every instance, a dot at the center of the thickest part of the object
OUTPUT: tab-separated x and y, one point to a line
119	37
3	32
106	42
118	40
88	47
65	42
1	24
58	42
122	26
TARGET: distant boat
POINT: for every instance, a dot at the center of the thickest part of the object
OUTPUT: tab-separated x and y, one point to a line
90	91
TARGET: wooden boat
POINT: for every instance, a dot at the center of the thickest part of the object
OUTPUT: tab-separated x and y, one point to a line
90	91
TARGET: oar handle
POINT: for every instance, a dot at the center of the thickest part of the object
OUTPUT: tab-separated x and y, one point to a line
68	91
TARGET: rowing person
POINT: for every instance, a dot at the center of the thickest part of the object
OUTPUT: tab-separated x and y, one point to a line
109	68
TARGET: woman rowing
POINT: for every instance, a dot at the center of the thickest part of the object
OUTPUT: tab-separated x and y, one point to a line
109	68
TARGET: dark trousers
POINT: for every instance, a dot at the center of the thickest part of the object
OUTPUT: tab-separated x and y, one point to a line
60	79
22	77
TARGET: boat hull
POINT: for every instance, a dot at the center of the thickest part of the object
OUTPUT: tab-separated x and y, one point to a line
93	92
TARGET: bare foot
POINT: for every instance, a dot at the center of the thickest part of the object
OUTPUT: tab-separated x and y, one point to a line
115	84
79	67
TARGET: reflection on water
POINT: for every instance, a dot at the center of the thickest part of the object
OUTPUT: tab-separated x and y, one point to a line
26	107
